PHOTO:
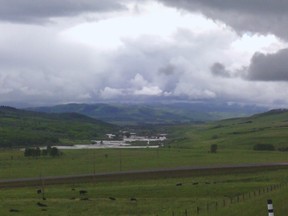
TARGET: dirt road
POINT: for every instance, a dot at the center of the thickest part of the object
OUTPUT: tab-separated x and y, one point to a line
142	174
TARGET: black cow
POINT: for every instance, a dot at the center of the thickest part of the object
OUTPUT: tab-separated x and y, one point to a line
41	204
112	198
82	192
14	210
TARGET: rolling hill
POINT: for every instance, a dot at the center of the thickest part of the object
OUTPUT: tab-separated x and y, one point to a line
154	113
26	128
268	128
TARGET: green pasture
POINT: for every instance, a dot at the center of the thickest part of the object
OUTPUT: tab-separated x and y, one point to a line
235	194
13	164
188	145
233	134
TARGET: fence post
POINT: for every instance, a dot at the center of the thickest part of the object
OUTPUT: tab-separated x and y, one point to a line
270	208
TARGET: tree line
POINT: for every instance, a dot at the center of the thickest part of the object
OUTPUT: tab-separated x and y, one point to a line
37	152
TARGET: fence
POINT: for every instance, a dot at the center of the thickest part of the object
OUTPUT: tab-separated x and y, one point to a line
210	207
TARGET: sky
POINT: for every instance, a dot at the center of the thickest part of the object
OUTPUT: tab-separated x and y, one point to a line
91	51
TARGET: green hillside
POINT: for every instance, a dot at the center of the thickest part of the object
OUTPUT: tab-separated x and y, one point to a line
26	128
270	128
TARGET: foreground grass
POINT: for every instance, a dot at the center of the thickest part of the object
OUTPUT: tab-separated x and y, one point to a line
235	194
14	165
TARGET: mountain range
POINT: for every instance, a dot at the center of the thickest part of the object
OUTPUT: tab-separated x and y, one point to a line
155	113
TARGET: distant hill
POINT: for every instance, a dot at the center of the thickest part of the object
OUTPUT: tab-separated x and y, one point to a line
264	129
157	113
28	128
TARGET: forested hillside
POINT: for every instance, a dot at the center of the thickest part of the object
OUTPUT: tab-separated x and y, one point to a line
26	128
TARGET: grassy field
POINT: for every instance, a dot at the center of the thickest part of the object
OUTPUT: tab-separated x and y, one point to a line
13	164
235	194
234	134
188	145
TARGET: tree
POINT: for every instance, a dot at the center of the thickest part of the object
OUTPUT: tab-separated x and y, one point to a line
127	134
28	152
37	152
213	148
54	152
44	152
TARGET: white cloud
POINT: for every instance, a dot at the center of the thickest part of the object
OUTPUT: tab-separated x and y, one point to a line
146	50
108	93
153	20
149	91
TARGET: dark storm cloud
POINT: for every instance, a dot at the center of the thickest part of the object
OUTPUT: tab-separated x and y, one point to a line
218	69
167	70
40	11
256	16
255	6
269	67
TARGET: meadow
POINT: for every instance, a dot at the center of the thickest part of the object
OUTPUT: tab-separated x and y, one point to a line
222	194
14	165
227	193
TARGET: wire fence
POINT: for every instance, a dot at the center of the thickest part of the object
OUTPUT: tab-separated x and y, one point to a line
212	206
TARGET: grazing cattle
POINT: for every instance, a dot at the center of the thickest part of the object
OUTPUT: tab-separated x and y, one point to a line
41	204
14	210
112	198
82	192
133	199
39	191
73	189
195	183
179	184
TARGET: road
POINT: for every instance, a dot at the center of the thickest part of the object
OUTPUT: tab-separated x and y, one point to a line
142	174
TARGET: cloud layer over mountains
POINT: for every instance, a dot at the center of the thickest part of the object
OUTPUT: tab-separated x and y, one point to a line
91	51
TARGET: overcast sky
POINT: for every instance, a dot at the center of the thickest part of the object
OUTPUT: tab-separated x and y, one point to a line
89	51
